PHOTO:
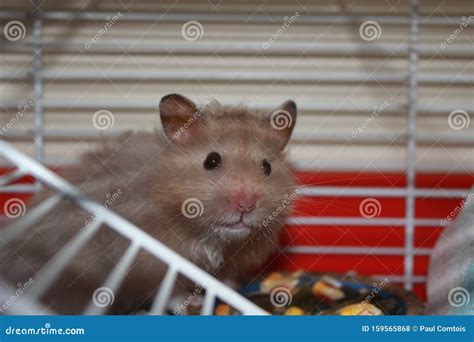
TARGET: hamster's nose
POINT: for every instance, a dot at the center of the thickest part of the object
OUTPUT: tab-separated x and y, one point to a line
247	205
242	201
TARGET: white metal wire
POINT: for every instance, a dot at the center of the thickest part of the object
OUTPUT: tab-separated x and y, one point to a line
243	48
138	238
235	18
23	223
249	76
312	107
165	290
354	250
411	147
365	222
38	81
320	191
445	139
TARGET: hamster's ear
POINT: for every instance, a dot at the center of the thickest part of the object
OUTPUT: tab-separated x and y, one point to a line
178	116
282	122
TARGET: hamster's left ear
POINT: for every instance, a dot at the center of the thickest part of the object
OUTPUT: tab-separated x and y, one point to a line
282	122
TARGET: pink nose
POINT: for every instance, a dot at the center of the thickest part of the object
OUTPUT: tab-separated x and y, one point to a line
242	201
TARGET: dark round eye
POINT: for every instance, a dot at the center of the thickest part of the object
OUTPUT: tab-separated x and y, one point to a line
212	161
267	168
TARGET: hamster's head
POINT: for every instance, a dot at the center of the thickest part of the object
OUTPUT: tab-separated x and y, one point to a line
222	171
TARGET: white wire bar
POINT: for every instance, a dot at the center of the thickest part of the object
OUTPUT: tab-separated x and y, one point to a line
313	107
355	222
411	146
445	139
251	48
208	305
362	222
235	18
11	177
23	304
400	279
322	191
115	279
354	250
316	165
21	224
163	294
250	76
18	189
38	82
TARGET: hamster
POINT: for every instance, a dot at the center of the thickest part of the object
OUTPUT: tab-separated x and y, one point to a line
215	186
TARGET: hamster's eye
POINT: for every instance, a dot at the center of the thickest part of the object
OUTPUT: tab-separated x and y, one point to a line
267	168
212	161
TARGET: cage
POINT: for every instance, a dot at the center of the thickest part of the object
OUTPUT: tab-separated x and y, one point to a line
382	149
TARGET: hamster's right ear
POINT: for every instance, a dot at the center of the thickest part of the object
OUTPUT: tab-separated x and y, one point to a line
179	117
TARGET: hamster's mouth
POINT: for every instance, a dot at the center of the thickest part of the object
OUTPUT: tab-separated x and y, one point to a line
236	225
241	221
234	229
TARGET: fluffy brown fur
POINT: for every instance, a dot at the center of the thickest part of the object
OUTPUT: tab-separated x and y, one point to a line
154	174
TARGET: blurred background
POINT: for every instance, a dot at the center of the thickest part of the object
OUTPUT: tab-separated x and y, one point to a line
385	157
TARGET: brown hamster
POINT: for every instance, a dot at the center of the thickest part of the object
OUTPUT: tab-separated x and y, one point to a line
215	187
